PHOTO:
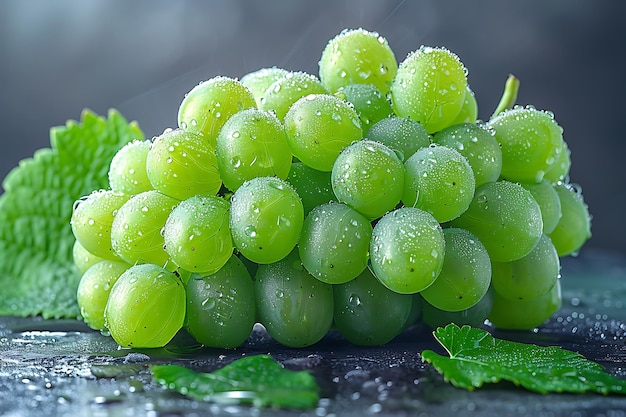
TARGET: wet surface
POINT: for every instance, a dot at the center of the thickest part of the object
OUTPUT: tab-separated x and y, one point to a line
62	368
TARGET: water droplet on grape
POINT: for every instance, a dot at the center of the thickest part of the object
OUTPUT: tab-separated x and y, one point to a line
354	300
250	231
208	304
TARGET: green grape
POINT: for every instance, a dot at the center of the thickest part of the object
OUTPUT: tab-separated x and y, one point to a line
334	243
197	235
440	181
469	111
369	103
506	219
313	186
146	307
136	230
208	105
92	219
83	259
529	277
94	288
405	136
266	217
407	250
259	81
369	177
546	196
367	313
181	164
560	170
295	308
281	95
465	276
531	141
574	226
522	314
478	146
127	172
221	307
252	143
474	316
357	56
318	127
430	87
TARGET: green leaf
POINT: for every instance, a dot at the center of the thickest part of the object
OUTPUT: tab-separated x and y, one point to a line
37	275
256	380
476	357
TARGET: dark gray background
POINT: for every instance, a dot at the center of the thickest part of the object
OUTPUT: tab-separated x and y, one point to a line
58	57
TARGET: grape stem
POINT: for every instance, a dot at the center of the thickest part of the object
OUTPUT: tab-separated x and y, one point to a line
509	96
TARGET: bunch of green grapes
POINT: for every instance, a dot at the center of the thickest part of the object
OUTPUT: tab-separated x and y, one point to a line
369	197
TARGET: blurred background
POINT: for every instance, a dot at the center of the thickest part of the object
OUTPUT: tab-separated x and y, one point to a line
141	57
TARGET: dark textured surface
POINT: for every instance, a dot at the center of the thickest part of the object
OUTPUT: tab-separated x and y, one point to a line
61	368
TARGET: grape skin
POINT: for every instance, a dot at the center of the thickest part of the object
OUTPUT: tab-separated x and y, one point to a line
197	235
136	229
407	250
369	103
146	307
440	181
478	145
266	218
505	218
260	80
465	276
92	222
94	288
548	199
574	226
252	143
284	92
531	142
334	243
208	105
529	277
430	87
404	135
357	57
295	308
182	164
369	177
367	313
319	127
221	306
82	258
127	172
314	187
525	315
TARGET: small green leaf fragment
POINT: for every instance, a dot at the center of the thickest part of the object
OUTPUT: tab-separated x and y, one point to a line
476	358
257	380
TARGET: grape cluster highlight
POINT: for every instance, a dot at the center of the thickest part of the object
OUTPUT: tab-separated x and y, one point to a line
367	199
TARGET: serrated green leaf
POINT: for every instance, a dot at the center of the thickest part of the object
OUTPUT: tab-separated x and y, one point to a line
476	358
256	380
36	271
